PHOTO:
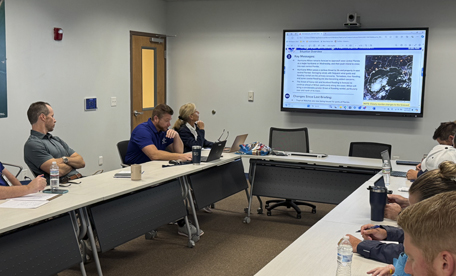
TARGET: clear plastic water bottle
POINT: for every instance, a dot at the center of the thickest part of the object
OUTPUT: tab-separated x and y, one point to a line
54	176
344	257
386	171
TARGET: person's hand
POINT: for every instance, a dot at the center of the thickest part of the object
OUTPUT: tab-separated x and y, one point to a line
412	174
382	271
373	234
186	156
392	211
402	201
354	242
200	124
37	184
418	167
171	133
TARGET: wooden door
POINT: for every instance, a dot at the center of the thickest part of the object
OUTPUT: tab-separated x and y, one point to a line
148	75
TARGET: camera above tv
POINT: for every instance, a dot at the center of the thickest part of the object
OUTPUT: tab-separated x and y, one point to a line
355	71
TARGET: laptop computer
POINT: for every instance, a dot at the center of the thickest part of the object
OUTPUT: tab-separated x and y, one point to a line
240	139
385	156
215	153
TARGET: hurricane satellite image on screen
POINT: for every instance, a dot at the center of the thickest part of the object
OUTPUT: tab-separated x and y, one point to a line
388	78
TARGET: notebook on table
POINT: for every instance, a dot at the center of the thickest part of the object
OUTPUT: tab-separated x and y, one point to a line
386	156
240	139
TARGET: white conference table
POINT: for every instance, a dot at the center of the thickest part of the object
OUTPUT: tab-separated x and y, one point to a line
101	187
315	252
95	189
98	188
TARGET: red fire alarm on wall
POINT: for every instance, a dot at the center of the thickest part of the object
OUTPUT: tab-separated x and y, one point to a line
58	34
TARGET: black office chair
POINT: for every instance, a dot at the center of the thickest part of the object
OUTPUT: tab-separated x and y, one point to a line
122	147
296	140
12	165
368	149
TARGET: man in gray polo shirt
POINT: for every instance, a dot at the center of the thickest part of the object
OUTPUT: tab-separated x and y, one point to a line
41	148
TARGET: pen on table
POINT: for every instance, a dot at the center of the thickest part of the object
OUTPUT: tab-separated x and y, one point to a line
373	227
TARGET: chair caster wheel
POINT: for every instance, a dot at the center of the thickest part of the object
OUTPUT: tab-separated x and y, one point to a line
246	220
269	213
314	211
298	216
150	235
260	211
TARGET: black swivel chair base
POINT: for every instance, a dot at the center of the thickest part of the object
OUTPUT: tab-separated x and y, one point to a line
289	204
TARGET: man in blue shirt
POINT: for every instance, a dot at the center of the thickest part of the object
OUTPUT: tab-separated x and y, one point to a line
152	140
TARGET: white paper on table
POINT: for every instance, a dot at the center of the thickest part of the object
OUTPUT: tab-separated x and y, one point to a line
21	204
35	196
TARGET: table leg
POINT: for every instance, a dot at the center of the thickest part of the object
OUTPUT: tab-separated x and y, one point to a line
253	169
184	182
77	231
84	216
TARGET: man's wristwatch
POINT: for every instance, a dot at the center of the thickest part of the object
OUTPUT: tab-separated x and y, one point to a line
65	159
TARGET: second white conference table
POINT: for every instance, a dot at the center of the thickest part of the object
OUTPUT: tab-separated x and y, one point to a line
315	252
318	179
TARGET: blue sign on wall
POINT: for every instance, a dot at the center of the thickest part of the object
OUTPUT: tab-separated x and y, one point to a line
3	101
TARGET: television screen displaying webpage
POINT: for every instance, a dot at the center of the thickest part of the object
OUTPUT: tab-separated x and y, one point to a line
355	71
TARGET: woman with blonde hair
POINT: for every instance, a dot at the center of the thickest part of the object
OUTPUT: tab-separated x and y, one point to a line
190	128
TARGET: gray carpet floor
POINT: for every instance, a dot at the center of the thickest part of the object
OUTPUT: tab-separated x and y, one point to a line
228	246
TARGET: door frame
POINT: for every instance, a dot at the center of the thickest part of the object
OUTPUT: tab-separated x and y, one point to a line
136	33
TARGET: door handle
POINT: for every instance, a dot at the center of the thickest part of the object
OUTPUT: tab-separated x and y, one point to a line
136	113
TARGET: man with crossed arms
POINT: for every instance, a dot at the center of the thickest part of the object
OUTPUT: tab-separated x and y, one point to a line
42	148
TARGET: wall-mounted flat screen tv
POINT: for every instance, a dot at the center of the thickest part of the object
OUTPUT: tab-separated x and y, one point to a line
355	71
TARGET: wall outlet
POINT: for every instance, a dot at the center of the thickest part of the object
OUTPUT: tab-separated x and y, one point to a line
250	96
100	160
113	101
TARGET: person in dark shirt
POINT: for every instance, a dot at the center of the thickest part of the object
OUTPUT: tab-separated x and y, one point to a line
152	140
191	131
191	128
429	184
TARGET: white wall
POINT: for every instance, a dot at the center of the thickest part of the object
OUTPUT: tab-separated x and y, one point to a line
92	60
223	49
